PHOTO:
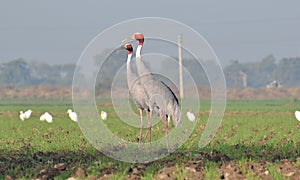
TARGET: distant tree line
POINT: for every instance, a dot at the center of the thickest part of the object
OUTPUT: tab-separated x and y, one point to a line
252	74
260	73
21	73
238	75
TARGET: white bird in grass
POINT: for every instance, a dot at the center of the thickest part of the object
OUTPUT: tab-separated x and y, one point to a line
22	116
72	115
25	115
297	115
42	117
103	115
28	113
46	116
191	116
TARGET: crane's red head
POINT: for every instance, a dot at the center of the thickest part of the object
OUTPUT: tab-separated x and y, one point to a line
136	36
139	37
129	48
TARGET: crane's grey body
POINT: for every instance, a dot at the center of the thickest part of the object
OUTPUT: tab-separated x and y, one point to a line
138	93
163	101
160	99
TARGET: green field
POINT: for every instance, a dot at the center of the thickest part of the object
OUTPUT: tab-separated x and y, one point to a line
257	139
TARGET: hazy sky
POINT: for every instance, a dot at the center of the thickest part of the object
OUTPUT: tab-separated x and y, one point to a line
58	31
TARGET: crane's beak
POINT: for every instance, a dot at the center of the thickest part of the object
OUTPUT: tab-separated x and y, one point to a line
122	47
128	38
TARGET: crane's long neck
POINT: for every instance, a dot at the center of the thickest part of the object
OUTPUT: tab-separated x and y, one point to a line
142	70
138	50
130	75
129	56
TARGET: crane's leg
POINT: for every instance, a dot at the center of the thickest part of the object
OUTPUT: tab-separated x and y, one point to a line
142	125
149	126
165	120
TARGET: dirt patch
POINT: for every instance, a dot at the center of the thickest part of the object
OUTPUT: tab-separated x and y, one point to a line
263	93
231	170
258	169
167	173
289	169
30	92
135	172
190	171
48	165
52	91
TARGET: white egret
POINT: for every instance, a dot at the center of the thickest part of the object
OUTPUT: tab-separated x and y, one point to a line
103	115
25	115
22	116
46	116
72	115
191	116
297	115
28	113
42	117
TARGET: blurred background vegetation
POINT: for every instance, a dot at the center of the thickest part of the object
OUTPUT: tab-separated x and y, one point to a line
20	72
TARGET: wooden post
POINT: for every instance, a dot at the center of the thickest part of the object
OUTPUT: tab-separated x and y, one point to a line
180	67
244	78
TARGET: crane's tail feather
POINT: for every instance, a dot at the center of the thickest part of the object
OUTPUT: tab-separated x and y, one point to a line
177	116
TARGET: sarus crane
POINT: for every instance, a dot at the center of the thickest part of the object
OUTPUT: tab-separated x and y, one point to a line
161	99
136	90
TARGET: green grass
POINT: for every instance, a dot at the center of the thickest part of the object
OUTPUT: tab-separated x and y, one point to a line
211	170
275	174
252	130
